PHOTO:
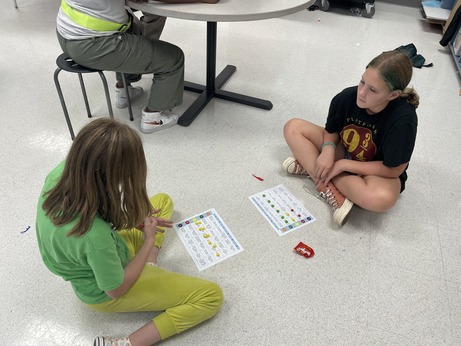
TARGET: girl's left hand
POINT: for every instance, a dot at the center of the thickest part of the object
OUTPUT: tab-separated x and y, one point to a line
155	221
163	222
152	224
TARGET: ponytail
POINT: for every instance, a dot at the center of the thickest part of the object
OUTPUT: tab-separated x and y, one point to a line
411	96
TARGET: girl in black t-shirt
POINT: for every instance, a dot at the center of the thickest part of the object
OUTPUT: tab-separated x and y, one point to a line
362	154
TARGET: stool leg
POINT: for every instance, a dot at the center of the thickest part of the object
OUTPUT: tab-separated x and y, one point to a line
63	104
127	97
106	91
85	98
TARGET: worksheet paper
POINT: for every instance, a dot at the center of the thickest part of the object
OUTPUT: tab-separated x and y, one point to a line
207	239
281	209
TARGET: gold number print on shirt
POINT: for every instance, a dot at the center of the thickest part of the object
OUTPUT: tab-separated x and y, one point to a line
358	142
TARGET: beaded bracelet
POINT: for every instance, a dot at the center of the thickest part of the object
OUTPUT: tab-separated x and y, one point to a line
328	143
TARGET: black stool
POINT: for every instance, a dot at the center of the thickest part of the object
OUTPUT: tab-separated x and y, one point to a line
67	64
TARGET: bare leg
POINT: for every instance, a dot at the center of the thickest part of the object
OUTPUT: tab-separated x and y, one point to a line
146	335
372	193
305	140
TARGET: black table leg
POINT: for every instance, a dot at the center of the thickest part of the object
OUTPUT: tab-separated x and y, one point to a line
214	84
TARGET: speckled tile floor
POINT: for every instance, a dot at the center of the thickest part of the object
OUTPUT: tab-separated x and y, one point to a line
382	279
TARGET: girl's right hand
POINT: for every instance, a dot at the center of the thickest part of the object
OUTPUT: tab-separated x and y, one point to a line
324	164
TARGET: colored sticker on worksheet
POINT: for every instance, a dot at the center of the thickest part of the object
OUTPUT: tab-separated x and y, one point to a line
207	239
281	209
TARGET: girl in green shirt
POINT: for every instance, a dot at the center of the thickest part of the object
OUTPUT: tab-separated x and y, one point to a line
97	229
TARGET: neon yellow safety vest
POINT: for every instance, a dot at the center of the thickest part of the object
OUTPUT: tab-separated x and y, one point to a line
90	22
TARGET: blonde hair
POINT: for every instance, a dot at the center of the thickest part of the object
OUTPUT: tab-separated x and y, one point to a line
104	175
395	69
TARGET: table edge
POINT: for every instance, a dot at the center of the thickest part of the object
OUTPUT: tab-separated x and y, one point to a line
164	9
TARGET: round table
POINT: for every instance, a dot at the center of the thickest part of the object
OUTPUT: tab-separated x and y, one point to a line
223	11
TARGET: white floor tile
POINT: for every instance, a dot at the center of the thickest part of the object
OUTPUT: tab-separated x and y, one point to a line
382	279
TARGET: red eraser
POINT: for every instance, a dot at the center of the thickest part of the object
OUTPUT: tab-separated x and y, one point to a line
304	250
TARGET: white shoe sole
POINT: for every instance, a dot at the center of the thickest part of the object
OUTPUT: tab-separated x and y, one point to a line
159	127
341	215
287	163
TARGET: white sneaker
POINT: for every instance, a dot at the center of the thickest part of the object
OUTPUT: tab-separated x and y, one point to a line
155	121
120	95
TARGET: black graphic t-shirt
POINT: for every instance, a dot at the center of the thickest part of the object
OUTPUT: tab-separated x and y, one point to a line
387	136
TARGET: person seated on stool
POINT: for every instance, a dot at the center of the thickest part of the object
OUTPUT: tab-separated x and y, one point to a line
105	35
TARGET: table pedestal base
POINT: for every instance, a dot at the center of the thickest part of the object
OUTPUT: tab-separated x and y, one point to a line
214	84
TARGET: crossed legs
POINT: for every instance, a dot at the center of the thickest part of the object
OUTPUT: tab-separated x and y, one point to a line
373	193
184	301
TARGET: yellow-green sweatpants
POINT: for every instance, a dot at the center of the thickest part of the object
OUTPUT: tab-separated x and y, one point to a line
185	300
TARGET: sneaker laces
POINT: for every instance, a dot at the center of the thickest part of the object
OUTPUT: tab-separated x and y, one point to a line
312	192
326	195
299	169
340	204
330	197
